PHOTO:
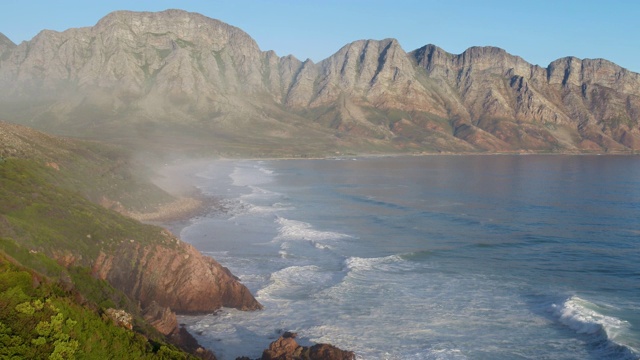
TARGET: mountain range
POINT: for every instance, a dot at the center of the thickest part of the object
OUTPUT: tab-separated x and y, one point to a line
183	80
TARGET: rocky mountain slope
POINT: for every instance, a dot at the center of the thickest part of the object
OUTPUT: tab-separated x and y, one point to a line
181	79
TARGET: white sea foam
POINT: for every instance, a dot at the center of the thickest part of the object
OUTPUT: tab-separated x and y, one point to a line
585	317
261	193
283	250
250	176
299	230
265	171
258	209
238	206
364	264
347	338
294	281
259	201
322	246
441	354
216	254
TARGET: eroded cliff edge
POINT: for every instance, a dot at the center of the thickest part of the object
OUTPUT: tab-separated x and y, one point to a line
172	274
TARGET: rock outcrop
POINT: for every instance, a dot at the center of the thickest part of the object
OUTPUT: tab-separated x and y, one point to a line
287	348
184	340
120	318
5	44
174	275
150	74
164	320
161	318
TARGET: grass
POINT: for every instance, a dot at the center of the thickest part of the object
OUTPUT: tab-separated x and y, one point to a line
49	218
48	310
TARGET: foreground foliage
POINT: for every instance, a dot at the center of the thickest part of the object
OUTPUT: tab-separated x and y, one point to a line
51	230
39	319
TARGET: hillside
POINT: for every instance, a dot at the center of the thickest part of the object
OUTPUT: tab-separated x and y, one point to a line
41	318
177	80
96	257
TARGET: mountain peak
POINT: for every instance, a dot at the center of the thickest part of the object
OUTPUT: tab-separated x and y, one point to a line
182	69
5	43
187	26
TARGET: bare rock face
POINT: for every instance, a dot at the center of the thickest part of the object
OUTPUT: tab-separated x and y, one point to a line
184	340
555	103
164	320
176	276
286	348
161	318
5	44
175	72
120	318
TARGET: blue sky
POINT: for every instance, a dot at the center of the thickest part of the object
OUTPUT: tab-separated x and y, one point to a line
539	31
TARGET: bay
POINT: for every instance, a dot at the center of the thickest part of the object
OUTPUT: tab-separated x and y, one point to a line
434	257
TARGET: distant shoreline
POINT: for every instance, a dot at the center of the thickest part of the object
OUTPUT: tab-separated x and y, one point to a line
381	155
178	179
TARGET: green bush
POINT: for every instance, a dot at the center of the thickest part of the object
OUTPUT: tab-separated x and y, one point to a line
36	323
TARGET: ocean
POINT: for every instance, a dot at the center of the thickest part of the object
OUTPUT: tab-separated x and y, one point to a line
432	257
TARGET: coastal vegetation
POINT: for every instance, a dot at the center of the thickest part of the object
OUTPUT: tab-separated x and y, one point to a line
44	317
52	304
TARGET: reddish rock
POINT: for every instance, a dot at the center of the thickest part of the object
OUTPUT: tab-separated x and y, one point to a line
175	276
286	348
161	318
184	340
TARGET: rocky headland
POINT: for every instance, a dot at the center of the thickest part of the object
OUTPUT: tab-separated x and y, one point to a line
174	275
46	215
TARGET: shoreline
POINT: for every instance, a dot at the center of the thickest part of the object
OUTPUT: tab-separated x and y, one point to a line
180	209
239	161
179	180
417	154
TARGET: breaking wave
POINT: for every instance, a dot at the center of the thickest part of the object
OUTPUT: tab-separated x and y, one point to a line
250	175
294	282
606	333
300	230
365	264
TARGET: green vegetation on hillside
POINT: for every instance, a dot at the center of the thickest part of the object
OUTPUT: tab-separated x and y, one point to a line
54	220
51	231
39	319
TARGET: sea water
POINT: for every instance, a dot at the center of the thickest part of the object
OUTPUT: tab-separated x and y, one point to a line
436	257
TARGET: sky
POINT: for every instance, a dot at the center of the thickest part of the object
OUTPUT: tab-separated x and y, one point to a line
538	31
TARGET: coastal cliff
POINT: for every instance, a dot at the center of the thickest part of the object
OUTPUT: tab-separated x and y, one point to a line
48	222
178	277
